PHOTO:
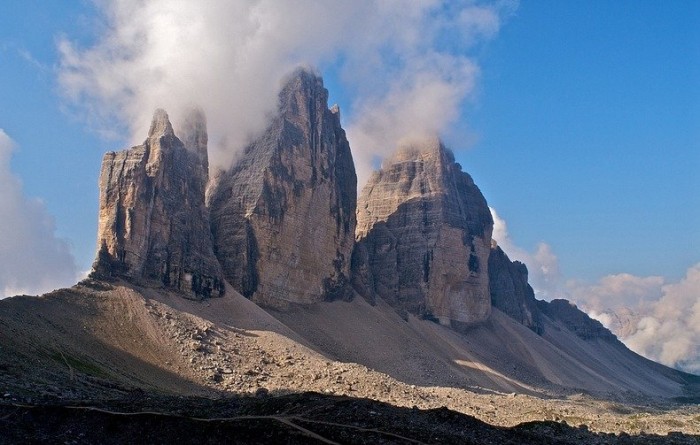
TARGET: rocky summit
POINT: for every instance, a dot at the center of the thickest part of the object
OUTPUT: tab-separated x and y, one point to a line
283	217
153	223
424	237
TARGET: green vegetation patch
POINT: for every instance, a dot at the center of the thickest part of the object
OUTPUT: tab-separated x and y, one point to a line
78	365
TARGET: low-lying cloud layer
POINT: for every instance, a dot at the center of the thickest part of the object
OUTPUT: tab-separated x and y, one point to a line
655	318
32	259
405	64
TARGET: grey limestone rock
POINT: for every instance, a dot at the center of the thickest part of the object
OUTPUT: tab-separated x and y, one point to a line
424	236
575	320
153	224
510	291
283	216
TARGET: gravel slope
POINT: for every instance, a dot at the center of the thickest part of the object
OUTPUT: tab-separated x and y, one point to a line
102	342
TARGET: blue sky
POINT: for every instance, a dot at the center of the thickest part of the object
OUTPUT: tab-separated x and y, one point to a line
588	120
579	121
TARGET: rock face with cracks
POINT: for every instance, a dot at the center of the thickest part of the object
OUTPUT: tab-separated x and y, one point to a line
283	217
153	223
424	237
510	291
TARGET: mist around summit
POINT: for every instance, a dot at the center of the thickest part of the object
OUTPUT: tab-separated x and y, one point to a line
404	76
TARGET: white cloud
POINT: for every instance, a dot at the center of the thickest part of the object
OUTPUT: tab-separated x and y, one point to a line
617	291
406	64
32	259
671	332
656	319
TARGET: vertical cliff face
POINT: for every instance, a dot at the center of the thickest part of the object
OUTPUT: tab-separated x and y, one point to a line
153	223
283	217
424	236
510	291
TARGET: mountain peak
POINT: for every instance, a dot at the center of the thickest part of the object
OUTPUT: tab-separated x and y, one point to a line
283	217
302	92
194	134
425	228
160	125
154	225
420	149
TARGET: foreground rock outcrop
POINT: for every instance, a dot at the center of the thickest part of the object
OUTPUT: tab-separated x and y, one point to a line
153	223
283	217
424	237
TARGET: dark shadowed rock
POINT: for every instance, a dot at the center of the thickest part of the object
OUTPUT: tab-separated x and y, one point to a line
575	320
510	291
424	236
283	217
153	223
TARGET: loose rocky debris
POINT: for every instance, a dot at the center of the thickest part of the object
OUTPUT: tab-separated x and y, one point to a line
294	419
122	349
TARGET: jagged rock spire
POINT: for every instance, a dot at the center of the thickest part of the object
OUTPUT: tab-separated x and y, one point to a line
160	125
153	224
193	133
283	217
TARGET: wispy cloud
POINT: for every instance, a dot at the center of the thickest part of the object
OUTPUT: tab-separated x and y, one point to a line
32	259
407	64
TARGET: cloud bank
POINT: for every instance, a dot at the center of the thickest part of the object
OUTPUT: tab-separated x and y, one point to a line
407	65
32	259
656	319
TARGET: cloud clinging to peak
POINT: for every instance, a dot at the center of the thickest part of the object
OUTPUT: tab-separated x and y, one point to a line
406	65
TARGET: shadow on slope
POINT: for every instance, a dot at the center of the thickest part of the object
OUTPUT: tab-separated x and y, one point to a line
144	338
78	341
294	419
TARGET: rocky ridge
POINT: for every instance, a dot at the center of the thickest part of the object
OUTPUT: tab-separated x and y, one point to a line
153	222
510	291
575	320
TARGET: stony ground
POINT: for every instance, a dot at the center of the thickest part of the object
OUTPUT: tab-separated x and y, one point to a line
293	418
199	368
